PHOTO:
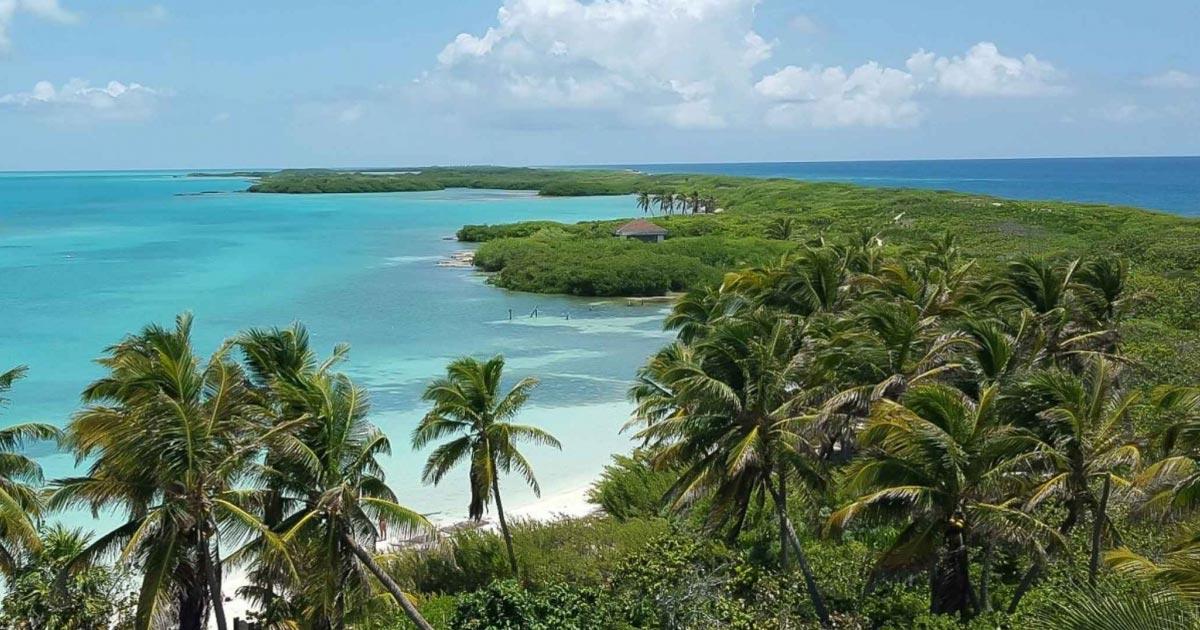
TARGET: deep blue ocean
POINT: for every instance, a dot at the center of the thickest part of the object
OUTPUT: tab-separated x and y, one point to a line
1171	184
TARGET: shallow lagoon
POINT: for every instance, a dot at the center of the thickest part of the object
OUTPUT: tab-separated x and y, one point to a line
89	257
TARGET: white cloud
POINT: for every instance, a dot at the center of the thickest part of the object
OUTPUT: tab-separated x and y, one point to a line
984	71
77	101
688	63
1176	79
44	9
869	96
350	113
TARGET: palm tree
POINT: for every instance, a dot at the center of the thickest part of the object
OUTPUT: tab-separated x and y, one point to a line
467	404
643	202
1179	569
327	469
725	411
1172	484
681	202
168	436
1086	438
20	476
944	466
1114	609
781	229
694	200
665	201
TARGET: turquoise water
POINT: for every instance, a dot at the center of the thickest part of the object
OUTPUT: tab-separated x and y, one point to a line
89	257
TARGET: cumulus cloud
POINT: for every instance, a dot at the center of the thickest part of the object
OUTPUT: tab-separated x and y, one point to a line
76	100
691	64
44	9
1175	79
984	71
870	95
687	63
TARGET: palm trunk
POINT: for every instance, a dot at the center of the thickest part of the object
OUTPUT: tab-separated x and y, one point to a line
783	546
950	591
985	602
212	574
368	561
512	556
810	581
1098	529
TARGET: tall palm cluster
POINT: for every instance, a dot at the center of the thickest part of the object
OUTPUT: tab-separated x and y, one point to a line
260	458
668	203
979	413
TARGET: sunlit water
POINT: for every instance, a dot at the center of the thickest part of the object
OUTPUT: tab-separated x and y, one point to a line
89	257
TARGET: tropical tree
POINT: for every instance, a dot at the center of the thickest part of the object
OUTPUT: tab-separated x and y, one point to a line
96	596
665	202
693	201
944	466
20	478
781	229
681	202
643	202
468	405
327	471
1086	438
727	412
1171	486
167	437
1179	569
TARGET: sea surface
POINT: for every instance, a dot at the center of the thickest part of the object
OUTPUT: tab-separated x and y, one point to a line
89	257
1171	184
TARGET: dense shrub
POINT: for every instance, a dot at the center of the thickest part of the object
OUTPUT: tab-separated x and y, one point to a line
584	551
630	488
506	605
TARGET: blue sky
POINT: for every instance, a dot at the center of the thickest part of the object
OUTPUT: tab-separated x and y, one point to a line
91	84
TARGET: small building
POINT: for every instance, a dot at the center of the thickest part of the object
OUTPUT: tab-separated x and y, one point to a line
642	230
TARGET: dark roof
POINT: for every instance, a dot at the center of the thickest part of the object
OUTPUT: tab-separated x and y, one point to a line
640	227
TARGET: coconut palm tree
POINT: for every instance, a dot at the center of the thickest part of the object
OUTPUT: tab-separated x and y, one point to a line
327	469
726	411
781	229
693	201
1171	486
467	404
643	202
1086	439
944	466
1179	569
665	202
20	476
681	202
168	436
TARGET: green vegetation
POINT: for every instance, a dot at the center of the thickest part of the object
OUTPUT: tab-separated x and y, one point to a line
863	422
546	182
